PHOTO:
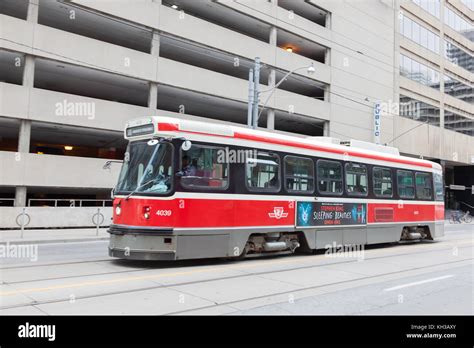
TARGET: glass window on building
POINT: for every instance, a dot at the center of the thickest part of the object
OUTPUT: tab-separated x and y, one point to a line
418	110
458	123
419	72
430	6
419	34
458	89
406	28
458	56
458	23
469	4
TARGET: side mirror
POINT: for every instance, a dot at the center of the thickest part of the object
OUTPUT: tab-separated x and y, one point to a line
112	193
179	174
186	145
107	165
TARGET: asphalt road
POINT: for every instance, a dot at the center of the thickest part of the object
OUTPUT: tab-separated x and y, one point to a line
79	278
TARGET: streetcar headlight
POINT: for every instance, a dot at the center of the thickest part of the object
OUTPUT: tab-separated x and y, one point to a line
146	212
118	210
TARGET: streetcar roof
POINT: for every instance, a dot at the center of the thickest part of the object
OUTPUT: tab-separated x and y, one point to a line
175	127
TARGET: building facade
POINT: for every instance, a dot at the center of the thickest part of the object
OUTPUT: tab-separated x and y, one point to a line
72	73
436	63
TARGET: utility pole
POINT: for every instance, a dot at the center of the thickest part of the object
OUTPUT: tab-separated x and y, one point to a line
253	113
251	98
256	94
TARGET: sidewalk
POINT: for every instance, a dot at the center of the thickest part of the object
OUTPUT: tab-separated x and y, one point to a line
53	236
449	226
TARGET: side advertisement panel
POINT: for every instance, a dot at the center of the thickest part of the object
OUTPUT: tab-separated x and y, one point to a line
331	214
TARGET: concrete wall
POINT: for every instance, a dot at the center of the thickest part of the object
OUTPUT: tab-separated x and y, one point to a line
28	169
39	217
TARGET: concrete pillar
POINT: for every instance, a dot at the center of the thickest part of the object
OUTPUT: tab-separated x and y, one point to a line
24	137
271	80
33	7
29	71
153	88
24	134
155	44
326	129
271	119
273	36
20	196
153	96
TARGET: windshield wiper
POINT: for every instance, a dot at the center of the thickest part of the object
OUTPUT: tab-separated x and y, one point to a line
138	187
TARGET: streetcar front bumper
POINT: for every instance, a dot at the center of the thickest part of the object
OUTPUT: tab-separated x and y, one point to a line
138	243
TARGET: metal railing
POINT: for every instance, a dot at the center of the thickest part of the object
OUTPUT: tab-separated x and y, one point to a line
468	205
10	202
70	202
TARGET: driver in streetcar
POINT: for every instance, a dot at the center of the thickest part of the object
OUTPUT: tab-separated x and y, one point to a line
189	169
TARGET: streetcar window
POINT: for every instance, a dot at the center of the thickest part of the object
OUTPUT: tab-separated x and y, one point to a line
439	187
147	169
406	184
262	172
329	177
201	168
382	182
299	174
424	186
356	179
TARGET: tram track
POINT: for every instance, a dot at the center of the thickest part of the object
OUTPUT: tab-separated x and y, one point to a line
55	264
314	287
207	262
175	265
261	273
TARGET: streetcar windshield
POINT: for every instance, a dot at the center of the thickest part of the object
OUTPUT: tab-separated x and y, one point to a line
147	168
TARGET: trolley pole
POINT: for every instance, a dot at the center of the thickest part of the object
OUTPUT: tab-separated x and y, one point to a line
250	103
256	82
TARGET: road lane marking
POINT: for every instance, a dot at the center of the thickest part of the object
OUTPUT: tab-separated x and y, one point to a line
419	282
241	267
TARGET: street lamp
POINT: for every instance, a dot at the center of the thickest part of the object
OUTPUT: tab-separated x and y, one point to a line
310	70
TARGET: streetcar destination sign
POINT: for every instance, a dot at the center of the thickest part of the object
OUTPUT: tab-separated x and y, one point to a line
331	214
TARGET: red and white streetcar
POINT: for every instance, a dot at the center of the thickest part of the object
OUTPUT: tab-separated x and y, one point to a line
191	190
